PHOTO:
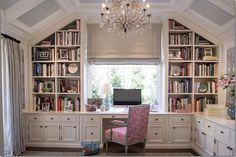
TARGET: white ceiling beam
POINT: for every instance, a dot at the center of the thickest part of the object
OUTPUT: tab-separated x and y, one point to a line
221	4
181	5
20	8
67	5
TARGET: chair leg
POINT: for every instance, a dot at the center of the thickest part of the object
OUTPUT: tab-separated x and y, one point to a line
144	145
106	145
126	150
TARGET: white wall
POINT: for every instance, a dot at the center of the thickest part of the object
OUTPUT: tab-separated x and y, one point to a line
1	115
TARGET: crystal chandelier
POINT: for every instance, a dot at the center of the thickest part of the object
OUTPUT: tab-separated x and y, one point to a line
126	16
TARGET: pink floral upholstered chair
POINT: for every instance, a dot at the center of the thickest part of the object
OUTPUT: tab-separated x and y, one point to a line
132	132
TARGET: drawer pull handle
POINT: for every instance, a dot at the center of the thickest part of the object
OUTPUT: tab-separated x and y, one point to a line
46	126
182	119
209	126
35	118
41	126
156	118
91	118
203	133
173	127
91	133
74	126
51	118
198	121
156	133
112	116
222	132
68	118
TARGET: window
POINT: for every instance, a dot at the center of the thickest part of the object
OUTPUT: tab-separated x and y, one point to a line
145	77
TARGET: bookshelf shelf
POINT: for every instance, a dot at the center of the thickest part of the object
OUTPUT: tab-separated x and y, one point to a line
192	55
56	70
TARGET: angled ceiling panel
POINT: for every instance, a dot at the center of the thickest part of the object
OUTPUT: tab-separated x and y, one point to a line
101	1
39	12
211	12
4	4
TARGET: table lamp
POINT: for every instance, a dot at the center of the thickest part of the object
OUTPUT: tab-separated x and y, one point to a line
107	90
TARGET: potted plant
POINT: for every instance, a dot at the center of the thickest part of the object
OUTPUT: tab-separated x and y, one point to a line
227	82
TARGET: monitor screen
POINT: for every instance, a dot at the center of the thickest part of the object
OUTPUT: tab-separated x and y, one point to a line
127	97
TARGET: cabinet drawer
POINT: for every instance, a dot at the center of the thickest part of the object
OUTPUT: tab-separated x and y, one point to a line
67	118
92	132
115	116
181	119
222	132
51	118
157	119
35	118
199	122
91	118
209	126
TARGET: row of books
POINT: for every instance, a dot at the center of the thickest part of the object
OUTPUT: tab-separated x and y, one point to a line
69	86
43	69
182	86
43	54
68	104
200	103
44	103
206	87
68	38
173	25
206	69
181	70
180	104
68	54
180	39
201	41
44	86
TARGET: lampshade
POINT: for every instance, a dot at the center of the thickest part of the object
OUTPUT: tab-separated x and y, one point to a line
107	89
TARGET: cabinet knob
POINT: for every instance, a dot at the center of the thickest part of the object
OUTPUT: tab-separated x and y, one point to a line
74	127
222	132
46	126
41	126
173	127
113	116
198	121
68	118
91	133
182	119
35	118
209	126
156	133
156	118
91	118
51	118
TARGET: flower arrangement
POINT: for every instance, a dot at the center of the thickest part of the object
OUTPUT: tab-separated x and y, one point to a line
227	81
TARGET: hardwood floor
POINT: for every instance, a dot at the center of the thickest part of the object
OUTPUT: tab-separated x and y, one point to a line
113	150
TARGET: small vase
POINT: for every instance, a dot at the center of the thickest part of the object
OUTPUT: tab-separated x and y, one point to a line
231	111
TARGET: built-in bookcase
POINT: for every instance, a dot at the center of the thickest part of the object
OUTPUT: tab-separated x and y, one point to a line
56	70
192	70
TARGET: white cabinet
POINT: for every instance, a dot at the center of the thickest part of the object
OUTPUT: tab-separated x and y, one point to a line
181	133
51	132
209	147
200	140
91	128
35	132
68	133
223	148
156	134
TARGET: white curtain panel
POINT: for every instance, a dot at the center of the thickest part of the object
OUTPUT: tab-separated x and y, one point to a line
12	96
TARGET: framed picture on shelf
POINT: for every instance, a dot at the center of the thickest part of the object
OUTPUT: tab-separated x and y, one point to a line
208	52
174	54
48	87
44	55
63	53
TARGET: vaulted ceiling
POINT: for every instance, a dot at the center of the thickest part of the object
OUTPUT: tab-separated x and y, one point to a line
33	17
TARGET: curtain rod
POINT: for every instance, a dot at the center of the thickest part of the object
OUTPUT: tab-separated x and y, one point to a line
9	37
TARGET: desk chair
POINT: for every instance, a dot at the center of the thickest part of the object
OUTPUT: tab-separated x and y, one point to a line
132	132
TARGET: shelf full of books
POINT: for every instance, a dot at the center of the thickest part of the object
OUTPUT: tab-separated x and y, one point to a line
192	70
56	70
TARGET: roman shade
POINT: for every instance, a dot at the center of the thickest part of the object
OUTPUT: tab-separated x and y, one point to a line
112	48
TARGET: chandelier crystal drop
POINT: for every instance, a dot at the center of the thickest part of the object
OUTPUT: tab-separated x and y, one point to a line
126	16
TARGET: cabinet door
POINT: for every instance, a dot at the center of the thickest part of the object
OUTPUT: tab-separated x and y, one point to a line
35	132
51	132
181	134
223	149
200	139
156	134
209	148
92	132
68	133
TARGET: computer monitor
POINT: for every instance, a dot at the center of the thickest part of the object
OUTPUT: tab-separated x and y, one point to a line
127	97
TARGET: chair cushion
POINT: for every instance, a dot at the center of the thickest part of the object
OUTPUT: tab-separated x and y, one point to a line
118	135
